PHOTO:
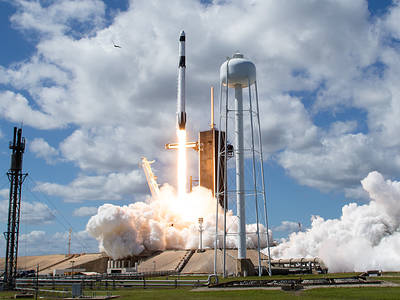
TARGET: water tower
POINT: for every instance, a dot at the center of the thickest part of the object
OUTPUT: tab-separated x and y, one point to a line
239	118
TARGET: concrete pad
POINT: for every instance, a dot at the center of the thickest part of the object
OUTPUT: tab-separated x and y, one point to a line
80	262
56	261
252	254
31	262
203	262
165	261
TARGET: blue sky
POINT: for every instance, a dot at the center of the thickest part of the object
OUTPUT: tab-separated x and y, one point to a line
327	75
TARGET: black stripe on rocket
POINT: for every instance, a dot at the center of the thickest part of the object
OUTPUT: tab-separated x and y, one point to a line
182	61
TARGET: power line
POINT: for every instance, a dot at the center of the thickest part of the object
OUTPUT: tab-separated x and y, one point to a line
63	221
6	182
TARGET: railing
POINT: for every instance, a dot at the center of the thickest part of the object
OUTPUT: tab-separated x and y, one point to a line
58	285
185	259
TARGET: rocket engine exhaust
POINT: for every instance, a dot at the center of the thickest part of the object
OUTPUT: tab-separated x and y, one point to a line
181	163
180	110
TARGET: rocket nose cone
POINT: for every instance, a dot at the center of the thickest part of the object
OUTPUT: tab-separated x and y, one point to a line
182	36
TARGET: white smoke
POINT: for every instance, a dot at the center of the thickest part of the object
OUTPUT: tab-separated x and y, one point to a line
165	222
365	237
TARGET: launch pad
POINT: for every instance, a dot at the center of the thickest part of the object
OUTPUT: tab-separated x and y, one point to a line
168	262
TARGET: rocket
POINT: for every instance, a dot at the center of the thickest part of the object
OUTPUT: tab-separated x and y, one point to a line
180	107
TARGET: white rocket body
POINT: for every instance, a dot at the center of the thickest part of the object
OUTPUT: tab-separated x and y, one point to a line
180	108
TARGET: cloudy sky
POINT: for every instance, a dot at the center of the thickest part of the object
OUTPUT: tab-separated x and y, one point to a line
327	72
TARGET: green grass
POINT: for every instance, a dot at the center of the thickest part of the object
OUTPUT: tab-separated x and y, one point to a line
182	293
390	273
320	293
189	294
381	293
388	278
7	295
186	293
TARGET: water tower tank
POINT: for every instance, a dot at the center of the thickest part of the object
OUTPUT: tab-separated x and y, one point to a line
241	71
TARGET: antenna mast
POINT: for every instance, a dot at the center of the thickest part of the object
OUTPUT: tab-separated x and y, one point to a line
16	178
69	241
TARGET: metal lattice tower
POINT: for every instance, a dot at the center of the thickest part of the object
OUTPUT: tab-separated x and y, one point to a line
240	117
16	178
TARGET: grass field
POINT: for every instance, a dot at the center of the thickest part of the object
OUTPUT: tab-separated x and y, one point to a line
321	293
318	293
365	292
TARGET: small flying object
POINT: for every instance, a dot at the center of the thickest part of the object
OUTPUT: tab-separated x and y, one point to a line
116	46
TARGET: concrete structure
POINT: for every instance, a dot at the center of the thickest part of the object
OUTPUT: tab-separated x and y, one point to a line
70	271
203	262
300	265
126	265
199	262
95	262
169	260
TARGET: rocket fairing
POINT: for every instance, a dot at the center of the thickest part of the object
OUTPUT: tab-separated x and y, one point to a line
180	110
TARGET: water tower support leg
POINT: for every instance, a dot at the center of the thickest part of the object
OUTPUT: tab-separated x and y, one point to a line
239	157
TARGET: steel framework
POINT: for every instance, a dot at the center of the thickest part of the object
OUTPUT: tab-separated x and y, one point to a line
255	190
16	178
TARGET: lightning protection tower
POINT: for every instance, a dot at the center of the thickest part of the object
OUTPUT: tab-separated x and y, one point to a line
16	178
239	118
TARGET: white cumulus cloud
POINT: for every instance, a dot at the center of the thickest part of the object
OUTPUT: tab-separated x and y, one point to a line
85	211
56	243
43	150
31	212
288	226
114	186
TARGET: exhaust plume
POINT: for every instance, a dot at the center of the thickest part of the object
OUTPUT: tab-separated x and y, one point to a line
165	222
181	134
365	237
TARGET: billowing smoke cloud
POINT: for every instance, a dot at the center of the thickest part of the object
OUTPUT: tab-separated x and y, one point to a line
365	237
165	222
